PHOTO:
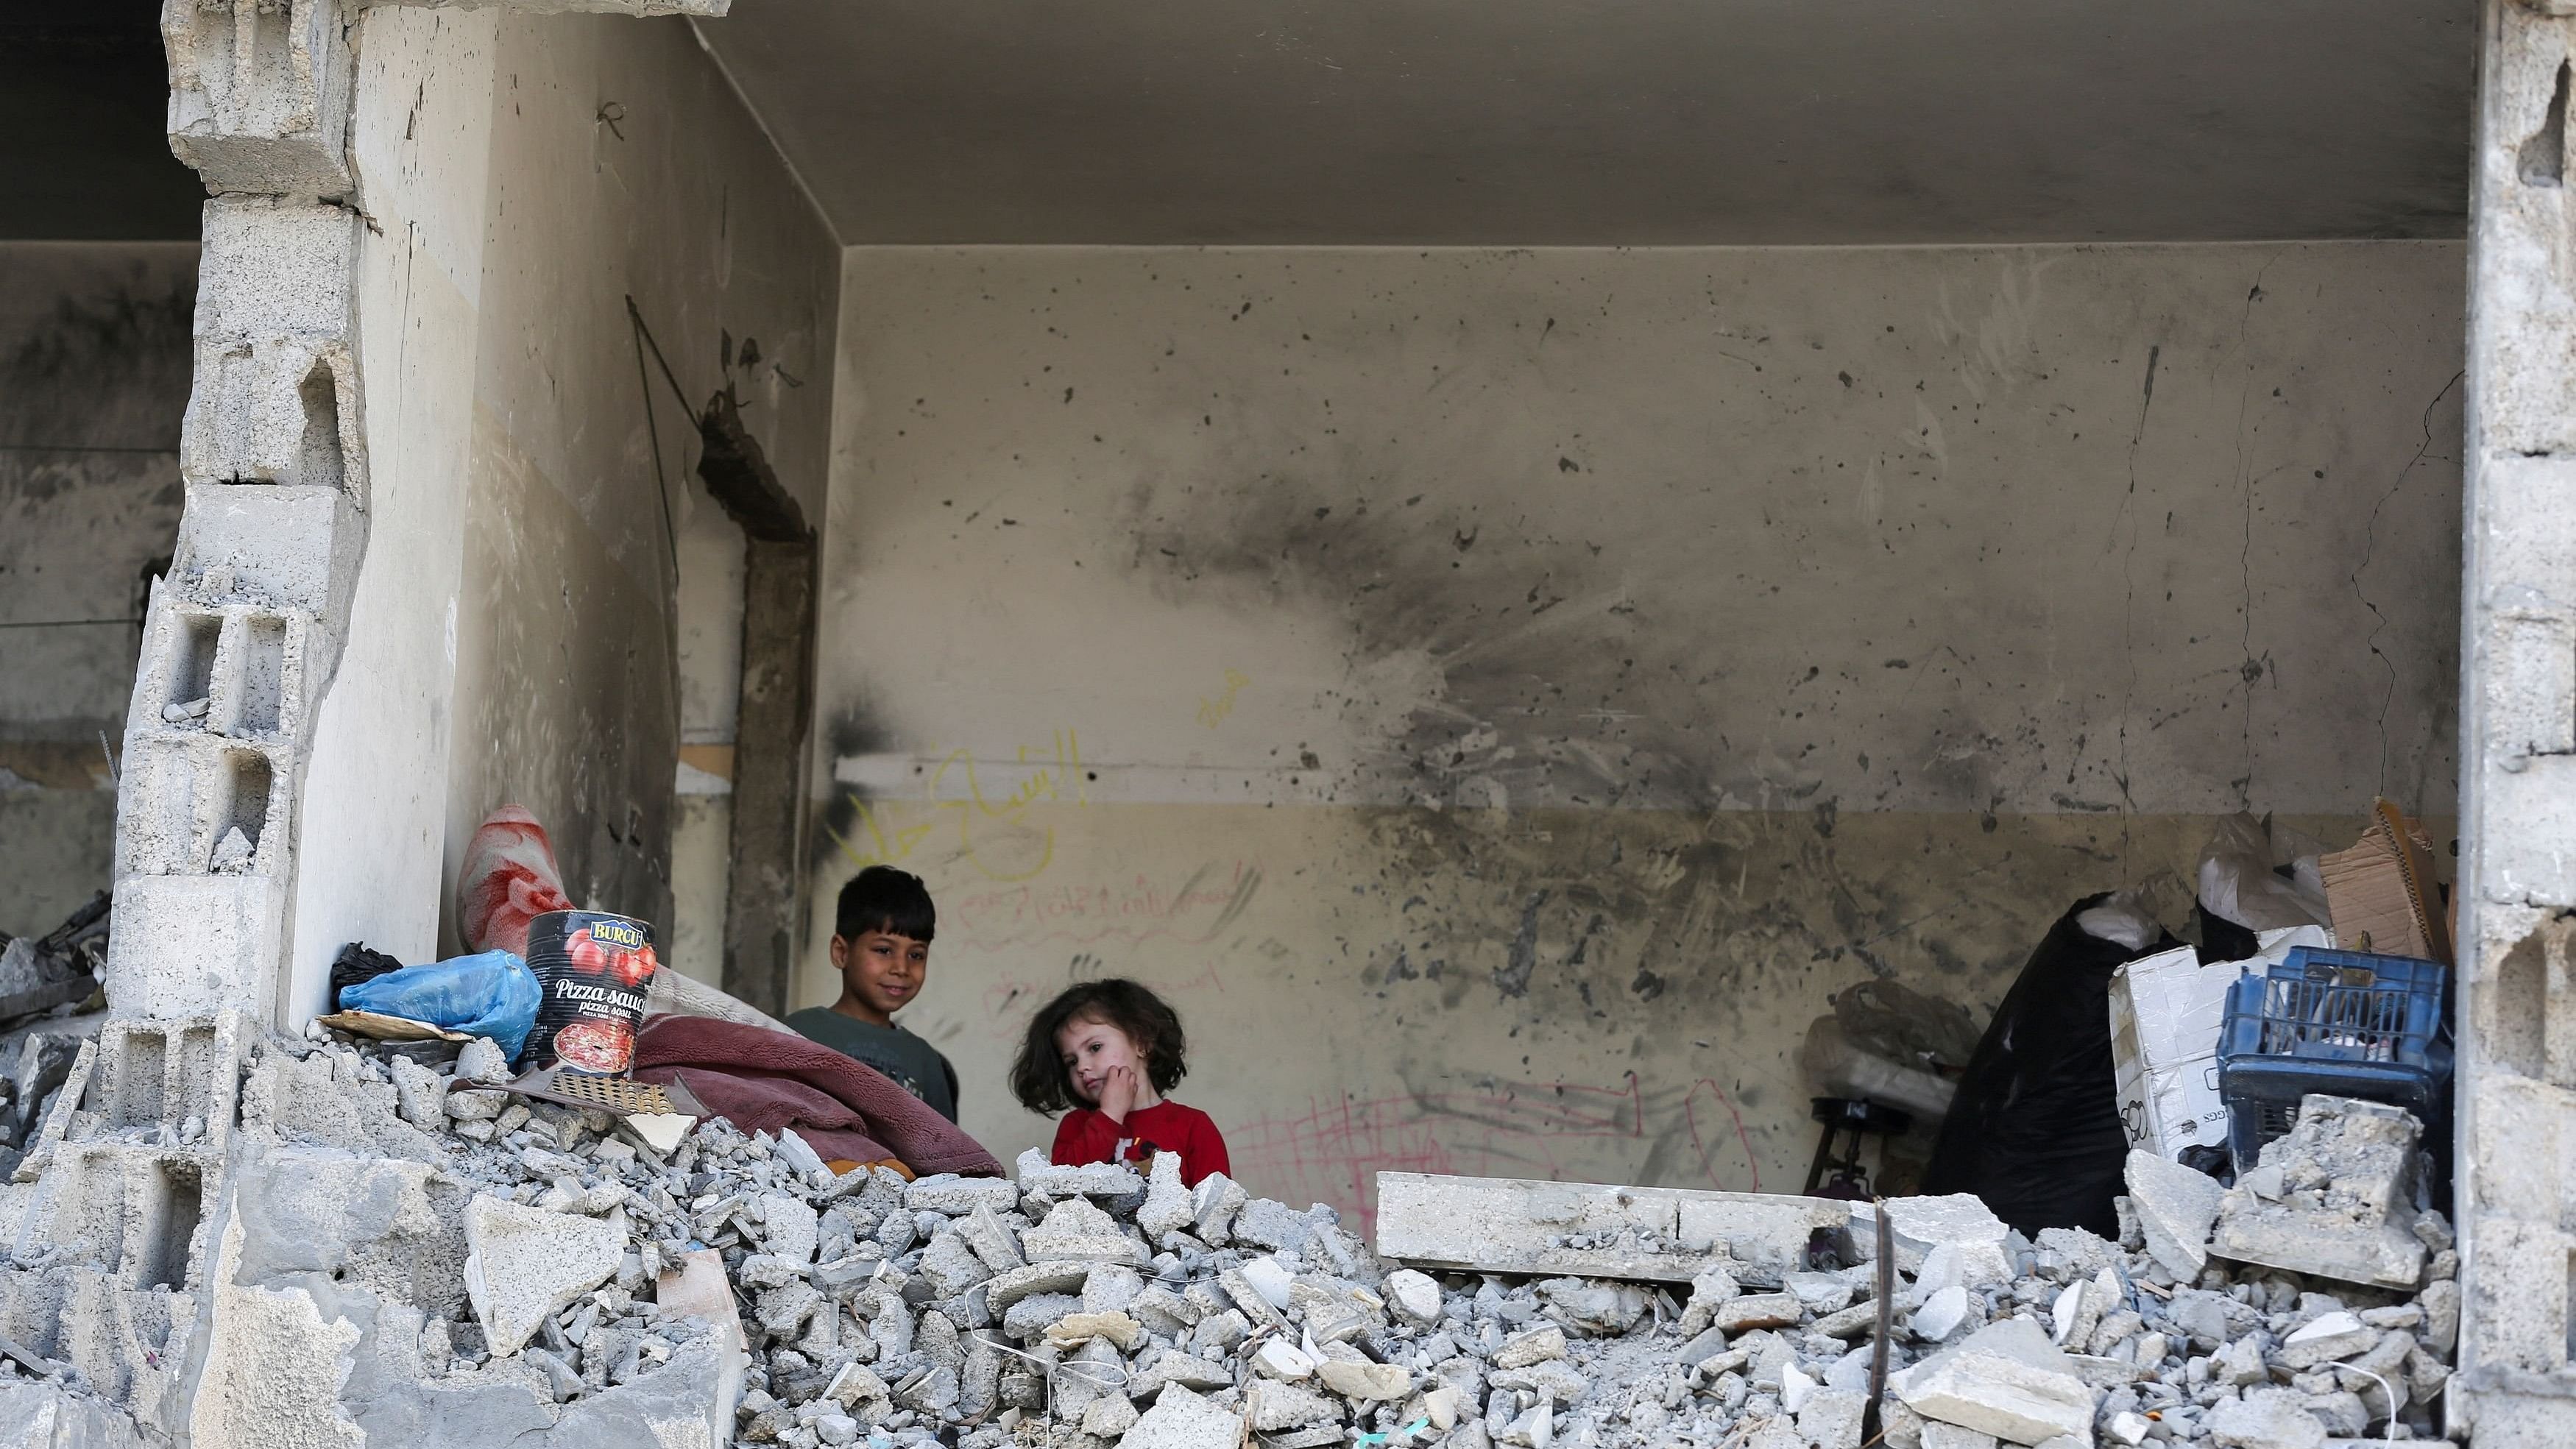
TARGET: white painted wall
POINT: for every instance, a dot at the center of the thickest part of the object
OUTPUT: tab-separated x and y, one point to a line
368	866
1502	694
623	166
513	638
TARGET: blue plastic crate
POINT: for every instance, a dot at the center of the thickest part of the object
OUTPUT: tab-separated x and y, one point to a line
2343	1023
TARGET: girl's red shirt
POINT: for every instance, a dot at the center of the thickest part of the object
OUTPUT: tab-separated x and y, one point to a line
1088	1135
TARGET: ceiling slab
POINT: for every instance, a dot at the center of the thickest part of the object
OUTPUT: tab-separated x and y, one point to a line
1524	122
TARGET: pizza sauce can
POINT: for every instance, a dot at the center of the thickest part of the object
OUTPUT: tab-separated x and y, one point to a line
595	968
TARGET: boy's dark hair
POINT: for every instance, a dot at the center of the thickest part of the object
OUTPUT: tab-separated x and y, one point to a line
1038	1077
882	898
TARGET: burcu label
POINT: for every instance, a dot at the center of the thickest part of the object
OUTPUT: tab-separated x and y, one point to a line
596	969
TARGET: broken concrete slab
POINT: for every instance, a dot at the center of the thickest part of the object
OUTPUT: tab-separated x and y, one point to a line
1920	1224
1181	1419
2346	1209
1514	1225
2175	1206
2266	1418
2006	1379
1077	1231
525	1264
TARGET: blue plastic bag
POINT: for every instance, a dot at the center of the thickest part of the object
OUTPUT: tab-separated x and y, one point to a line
491	994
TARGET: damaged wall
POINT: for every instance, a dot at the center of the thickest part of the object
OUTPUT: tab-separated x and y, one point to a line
94	361
622	165
1501	695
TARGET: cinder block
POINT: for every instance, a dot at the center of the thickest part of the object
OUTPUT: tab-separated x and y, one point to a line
296	548
275	268
2526	392
2513	1410
192	945
259	94
2527	830
184	795
2518	1295
130	1211
2524	1145
274	410
176	1079
2528	682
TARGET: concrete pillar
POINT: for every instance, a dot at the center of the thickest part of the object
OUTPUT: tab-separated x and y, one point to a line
762	925
763	895
2517	1098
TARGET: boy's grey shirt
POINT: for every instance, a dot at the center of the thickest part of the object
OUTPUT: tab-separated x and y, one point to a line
906	1060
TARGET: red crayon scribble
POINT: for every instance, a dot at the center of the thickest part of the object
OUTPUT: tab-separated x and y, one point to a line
1699	1144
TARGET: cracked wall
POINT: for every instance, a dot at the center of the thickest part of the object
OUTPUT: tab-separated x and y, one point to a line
1501	695
93	374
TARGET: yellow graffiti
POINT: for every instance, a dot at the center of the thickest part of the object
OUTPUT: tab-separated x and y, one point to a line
1212	712
889	832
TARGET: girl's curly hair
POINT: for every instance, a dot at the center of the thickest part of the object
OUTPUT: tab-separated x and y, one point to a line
1038	1076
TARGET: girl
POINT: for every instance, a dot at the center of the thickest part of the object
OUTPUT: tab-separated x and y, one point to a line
1109	1050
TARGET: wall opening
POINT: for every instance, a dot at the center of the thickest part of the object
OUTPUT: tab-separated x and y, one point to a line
169	1226
318	461
245	804
263	677
2543	156
192	673
136	1084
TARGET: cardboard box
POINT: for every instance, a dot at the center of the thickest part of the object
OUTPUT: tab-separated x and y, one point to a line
2165	1014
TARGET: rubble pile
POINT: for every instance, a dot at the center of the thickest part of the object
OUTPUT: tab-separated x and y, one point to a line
1085	1307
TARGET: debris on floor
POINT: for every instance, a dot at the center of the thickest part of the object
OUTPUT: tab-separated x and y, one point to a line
1090	1306
58	970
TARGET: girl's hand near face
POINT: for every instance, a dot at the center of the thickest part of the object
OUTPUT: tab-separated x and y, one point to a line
1118	1092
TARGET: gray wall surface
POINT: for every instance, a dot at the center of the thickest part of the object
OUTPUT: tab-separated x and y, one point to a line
1501	695
94	363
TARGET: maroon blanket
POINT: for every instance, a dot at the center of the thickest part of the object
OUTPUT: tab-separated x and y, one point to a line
762	1080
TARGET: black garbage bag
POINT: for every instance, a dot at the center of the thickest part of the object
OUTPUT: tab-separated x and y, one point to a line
2035	1128
355	964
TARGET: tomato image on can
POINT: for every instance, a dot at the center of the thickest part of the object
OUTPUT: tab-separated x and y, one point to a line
596	969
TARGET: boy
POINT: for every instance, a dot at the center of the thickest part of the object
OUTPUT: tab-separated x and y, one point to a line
881	946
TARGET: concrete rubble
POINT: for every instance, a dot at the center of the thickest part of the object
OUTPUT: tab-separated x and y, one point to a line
384	1246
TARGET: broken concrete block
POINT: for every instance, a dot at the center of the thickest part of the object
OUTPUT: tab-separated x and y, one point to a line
2175	1206
1077	1231
1969	1265
1414	1295
2006	1379
1830	1419
1168	1206
2266	1418
790	1228
1937	1435
1750	1311
1181	1419
1095	1179
523	1265
1513	1225
1941	1314
1535	1346
1365	1381
1920	1224
2327	1338
1277	1406
2346	1210
955	1196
